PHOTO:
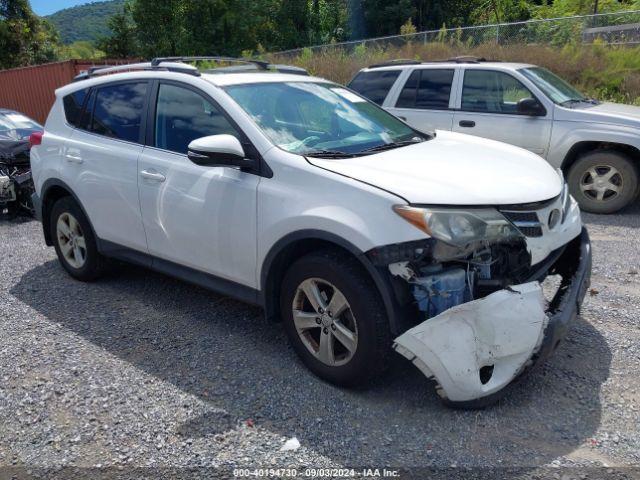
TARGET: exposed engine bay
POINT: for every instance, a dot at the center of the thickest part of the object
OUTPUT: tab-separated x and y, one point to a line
16	184
479	316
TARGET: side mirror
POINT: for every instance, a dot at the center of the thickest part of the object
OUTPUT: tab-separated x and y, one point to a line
530	106
218	151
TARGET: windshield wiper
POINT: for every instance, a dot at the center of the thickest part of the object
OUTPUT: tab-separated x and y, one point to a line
389	146
571	101
328	154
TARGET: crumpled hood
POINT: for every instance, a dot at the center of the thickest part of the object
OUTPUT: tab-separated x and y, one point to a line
454	169
606	112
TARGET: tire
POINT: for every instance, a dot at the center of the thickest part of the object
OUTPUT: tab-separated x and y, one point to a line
364	314
90	265
594	167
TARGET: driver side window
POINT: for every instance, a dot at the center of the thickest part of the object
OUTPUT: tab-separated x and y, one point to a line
492	92
183	115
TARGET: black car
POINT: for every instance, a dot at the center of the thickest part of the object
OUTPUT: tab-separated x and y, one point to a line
16	185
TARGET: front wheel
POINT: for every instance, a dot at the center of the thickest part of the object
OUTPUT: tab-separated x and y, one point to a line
334	318
603	181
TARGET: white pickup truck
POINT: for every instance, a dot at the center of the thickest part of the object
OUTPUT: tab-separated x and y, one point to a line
596	144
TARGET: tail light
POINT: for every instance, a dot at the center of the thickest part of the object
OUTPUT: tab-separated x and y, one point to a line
35	139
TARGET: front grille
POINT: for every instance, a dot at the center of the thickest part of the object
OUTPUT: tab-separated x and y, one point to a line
521	216
527	222
531	231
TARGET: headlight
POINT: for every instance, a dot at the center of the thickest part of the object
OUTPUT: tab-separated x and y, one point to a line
460	227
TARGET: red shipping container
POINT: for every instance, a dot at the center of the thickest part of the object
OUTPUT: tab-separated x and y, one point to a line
30	90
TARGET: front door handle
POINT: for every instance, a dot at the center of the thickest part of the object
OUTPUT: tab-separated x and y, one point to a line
152	175
404	119
467	123
73	158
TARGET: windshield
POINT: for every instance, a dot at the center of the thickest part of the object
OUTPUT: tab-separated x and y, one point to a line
320	118
553	86
15	126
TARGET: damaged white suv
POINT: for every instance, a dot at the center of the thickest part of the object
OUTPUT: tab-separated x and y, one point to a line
296	194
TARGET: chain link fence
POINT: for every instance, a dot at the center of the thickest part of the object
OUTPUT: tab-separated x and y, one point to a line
620	28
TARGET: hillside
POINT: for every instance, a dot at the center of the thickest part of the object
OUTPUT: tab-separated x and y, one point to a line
84	22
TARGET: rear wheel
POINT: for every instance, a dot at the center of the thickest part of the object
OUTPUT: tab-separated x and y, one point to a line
603	181
334	318
74	241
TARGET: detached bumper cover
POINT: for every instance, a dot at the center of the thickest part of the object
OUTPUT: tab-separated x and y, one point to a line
476	349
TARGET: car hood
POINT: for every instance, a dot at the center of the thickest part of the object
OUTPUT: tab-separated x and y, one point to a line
454	169
613	113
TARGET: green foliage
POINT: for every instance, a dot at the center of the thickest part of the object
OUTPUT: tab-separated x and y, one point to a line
160	26
408	28
25	39
385	18
81	49
85	22
122	42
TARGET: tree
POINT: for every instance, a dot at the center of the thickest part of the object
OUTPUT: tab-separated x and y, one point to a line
385	18
122	41
160	26
356	20
25	39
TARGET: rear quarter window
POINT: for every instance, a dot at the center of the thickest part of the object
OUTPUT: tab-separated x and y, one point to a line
374	85
73	106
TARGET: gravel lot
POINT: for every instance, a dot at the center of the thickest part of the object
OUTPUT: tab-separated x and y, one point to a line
140	370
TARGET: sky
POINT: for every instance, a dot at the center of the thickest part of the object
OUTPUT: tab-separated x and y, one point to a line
47	7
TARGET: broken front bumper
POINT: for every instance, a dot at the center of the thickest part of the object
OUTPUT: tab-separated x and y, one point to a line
476	349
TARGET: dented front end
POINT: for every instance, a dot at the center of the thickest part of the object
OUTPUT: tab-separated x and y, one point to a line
477	316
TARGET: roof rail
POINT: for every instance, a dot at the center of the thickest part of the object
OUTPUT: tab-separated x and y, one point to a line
252	68
106	69
176	64
258	63
466	59
399	61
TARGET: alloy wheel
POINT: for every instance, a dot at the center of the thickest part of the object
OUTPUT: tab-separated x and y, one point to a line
601	183
71	240
324	321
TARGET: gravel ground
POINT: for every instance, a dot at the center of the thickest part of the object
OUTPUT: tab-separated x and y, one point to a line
140	371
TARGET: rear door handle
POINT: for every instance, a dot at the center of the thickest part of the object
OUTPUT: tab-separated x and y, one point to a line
404	119
73	158
152	175
467	123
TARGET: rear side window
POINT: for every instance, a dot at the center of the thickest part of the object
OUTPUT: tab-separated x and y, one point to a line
427	89
118	110
183	115
73	106
374	85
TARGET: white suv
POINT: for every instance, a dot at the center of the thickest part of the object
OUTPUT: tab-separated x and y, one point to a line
298	195
596	144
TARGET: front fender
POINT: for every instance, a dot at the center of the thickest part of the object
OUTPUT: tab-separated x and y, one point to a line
567	134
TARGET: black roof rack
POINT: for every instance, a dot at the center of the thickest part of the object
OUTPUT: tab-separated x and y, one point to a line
106	69
262	65
176	64
399	61
466	59
459	59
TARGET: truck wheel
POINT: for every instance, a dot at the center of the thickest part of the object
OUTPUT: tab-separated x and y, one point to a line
334	318
74	241
603	181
